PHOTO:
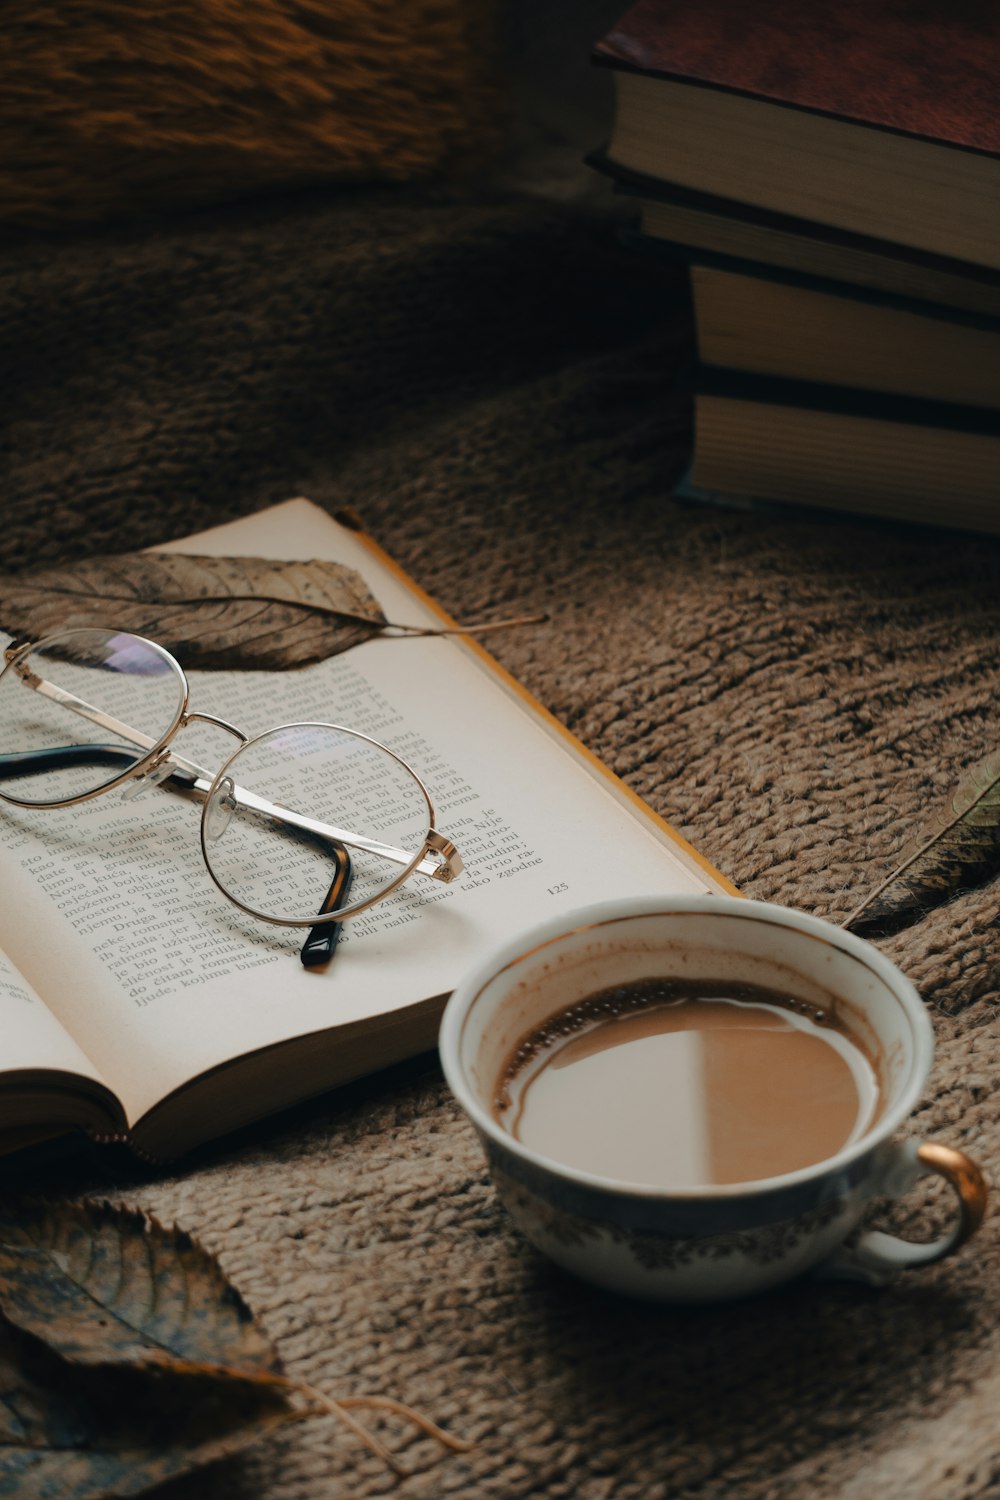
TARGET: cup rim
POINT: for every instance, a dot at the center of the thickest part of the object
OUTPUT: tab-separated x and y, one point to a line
606	913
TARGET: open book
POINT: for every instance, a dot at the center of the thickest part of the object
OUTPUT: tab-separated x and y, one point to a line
136	1003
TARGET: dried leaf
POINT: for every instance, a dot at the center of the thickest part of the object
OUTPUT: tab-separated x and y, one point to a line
120	1304
102	1285
215	612
959	851
64	1434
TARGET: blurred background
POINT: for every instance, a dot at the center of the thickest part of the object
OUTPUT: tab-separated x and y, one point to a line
109	111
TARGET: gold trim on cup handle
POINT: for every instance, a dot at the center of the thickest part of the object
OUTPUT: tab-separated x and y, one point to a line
966	1180
875	1256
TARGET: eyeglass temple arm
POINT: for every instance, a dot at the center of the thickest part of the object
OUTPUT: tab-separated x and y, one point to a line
320	940
61	757
444	866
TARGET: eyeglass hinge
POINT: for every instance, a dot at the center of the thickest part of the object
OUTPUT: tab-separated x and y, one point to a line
451	861
28	677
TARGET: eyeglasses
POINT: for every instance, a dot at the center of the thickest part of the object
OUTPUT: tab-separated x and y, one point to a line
292	821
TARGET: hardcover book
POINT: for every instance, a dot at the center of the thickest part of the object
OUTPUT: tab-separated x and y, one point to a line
765	323
838	448
678	223
876	118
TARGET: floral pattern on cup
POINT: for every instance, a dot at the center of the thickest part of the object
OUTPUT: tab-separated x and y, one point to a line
655	1252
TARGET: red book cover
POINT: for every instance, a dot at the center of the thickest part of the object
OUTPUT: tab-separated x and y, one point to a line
928	68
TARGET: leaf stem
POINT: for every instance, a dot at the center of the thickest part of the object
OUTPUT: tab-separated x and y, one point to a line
388	1403
483	627
341	1408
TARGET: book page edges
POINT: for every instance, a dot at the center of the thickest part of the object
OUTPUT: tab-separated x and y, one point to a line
838	462
662	190
932	196
47	1101
254	1085
633	803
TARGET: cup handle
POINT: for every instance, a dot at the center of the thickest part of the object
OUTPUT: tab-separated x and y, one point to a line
875	1256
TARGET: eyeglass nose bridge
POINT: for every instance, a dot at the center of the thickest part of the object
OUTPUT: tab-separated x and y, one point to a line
195	716
221	804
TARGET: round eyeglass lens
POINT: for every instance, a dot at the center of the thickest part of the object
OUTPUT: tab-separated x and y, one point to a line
80	709
284	809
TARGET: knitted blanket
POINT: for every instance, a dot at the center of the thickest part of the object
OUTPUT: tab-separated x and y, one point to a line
490	382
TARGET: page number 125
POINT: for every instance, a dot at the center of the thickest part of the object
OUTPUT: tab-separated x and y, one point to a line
557	890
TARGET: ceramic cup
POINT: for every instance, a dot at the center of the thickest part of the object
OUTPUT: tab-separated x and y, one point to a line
712	1242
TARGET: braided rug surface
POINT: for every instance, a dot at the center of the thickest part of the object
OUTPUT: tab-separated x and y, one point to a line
488	383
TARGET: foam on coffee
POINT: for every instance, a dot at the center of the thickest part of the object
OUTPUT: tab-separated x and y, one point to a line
680	1084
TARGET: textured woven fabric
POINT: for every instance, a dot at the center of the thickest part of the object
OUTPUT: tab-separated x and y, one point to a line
108	111
489	385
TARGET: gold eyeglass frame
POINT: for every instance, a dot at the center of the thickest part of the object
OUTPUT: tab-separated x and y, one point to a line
437	857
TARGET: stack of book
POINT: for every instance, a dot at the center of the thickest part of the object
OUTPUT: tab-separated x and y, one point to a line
830	170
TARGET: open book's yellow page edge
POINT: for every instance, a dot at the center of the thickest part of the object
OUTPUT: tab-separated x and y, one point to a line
356	524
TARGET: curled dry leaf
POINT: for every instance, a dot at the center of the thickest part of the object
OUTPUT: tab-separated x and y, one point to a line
101	1285
127	1357
958	851
215	612
65	1434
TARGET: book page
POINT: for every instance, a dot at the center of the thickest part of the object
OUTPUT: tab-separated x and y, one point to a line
30	1036
115	920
